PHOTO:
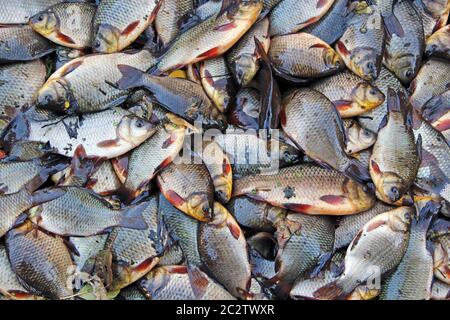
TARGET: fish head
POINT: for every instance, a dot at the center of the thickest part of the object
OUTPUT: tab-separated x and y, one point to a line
57	97
44	22
247	10
135	130
367	95
391	187
357	194
404	69
106	39
199	206
244	68
289	155
332	59
366	63
400	219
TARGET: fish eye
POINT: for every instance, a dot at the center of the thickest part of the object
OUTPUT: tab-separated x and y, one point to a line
139	123
372	92
96	44
408	74
41	17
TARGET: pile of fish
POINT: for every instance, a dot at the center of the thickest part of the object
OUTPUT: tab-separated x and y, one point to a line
224	149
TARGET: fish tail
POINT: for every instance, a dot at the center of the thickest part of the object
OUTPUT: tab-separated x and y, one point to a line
360	174
323	261
331	291
132	217
426	215
131	77
17	130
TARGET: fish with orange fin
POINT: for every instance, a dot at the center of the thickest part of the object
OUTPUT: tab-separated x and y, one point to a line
307	189
362	45
118	24
320	134
303	242
231	267
396	156
174	283
299	15
302	57
212	37
189	188
351	95
377	249
57	24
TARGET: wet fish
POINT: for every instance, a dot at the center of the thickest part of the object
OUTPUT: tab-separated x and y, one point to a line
413	277
27	151
10	286
307	189
396	157
349	226
434	14
303	242
132	293
438	45
21	43
81	212
242	59
300	16
255	214
182	229
172	256
441	252
87	247
136	252
301	57
351	95
41	262
217	82
67	24
219	167
19	84
104	180
262	249
211	37
169	17
440	291
244	111
432	80
377	249
144	163
333	24
87	84
361	46
18	12
180	96
372	119
403	54
223	250
107	134
118	24
358	138
189	188
32	173
434	171
319	134
250	153
173	283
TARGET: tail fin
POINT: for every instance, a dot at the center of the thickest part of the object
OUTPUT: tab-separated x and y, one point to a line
425	215
199	281
131	77
132	217
331	291
360	174
323	261
18	129
393	26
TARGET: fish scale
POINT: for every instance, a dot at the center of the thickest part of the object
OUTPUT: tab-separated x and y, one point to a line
303	56
308	189
168	19
300	15
19	11
373	118
21	43
41	261
8	280
18	85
